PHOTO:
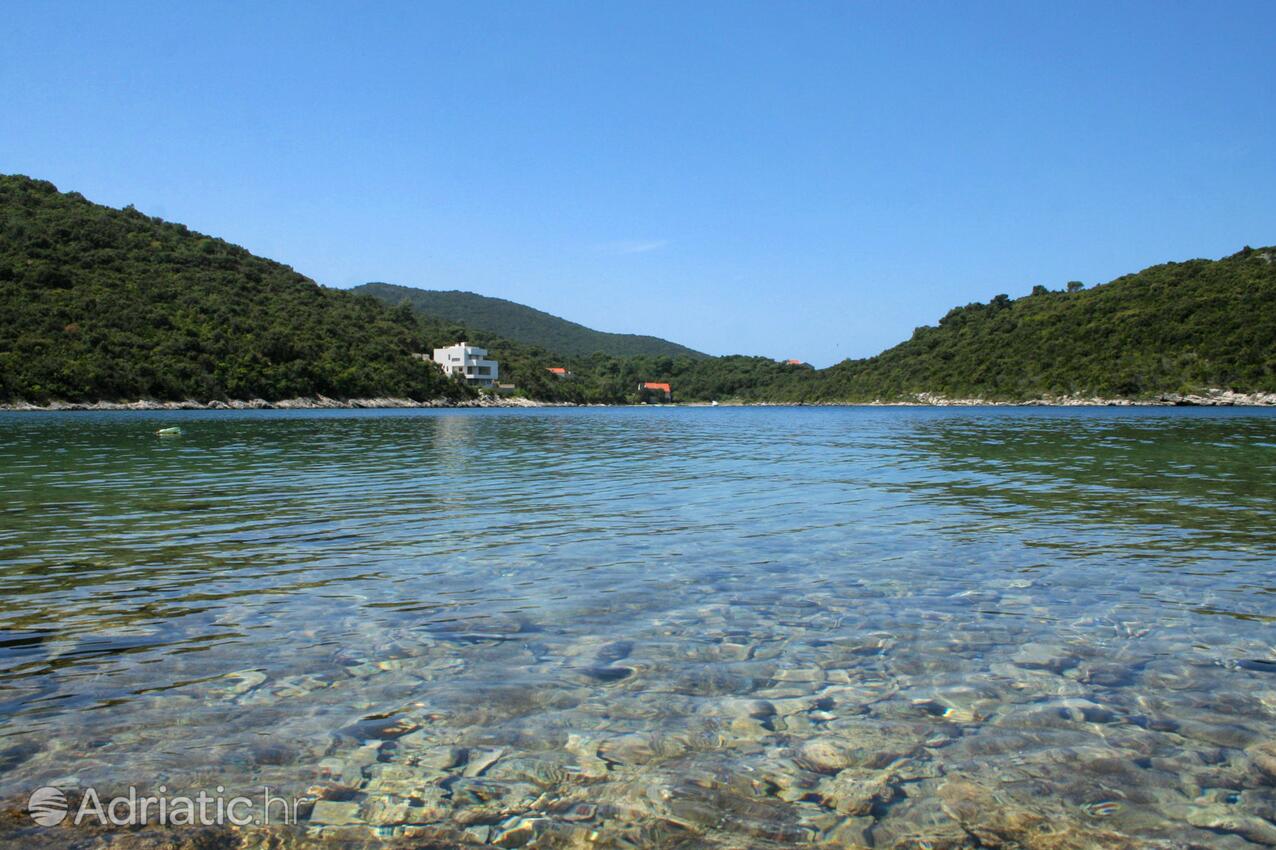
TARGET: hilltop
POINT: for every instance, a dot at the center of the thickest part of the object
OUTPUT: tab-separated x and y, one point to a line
1171	328
517	322
100	304
105	304
1175	329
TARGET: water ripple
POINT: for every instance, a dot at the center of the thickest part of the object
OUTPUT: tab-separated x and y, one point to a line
699	593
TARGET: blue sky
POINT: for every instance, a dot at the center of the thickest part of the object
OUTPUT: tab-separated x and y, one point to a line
790	179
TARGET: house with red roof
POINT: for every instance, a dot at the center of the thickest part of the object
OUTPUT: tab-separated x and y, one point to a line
649	391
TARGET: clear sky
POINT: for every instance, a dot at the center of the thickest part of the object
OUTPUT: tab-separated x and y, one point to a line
791	179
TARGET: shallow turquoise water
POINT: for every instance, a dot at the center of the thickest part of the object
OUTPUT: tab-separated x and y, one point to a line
710	627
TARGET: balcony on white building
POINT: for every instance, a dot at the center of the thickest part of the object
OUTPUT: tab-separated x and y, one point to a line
468	361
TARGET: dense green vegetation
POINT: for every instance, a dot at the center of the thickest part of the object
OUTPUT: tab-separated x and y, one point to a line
105	304
508	320
602	378
1172	328
1176	327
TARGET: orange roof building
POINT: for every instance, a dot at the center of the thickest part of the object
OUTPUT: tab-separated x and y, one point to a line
558	370
647	389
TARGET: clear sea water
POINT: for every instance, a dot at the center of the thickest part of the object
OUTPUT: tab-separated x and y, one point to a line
653	627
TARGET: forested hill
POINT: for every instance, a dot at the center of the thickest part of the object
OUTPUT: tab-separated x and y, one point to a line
1176	327
105	304
523	324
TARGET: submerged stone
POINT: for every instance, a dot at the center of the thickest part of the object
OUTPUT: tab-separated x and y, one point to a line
823	755
334	813
519	831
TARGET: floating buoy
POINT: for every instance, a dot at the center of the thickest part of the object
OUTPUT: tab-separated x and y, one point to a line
170	432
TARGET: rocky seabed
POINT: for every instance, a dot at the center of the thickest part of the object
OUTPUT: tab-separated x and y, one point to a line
734	728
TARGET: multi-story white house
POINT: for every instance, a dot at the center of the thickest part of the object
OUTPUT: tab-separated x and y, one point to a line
469	361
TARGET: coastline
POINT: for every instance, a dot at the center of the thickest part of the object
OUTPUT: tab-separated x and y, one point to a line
1210	398
304	403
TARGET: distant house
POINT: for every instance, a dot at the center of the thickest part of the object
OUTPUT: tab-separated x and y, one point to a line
559	371
649	391
467	361
793	361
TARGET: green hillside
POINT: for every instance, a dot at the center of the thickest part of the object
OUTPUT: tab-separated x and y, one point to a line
516	322
1176	327
1173	328
105	304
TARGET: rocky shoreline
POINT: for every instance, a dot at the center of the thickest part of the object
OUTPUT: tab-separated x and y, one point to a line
307	403
1209	398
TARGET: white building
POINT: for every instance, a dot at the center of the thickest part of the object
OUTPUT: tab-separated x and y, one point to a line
469	361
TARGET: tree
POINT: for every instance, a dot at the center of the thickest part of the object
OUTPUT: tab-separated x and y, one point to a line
106	304
1075	286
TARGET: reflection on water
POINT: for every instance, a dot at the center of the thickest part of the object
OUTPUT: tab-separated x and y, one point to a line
655	628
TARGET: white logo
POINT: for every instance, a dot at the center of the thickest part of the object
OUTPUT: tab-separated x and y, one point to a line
47	806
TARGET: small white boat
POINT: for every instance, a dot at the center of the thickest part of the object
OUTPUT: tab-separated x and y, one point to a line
170	432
